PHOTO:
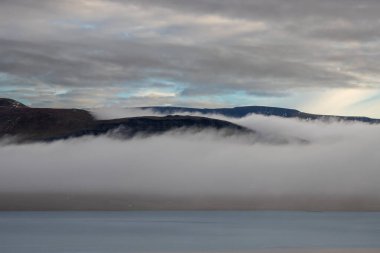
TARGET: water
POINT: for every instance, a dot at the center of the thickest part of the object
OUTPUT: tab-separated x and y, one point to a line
111	232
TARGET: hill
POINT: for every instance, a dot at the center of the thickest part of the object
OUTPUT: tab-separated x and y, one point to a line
239	112
46	124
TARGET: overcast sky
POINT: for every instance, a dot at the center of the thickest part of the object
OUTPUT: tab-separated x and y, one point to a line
318	56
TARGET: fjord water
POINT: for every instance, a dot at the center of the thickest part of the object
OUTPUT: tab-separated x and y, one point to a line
212	231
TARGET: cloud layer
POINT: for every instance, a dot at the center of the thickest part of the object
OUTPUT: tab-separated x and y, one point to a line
337	170
88	53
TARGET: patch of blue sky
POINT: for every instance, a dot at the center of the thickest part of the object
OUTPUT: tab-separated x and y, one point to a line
151	86
237	98
5	83
6	89
241	98
61	92
8	81
375	98
124	95
168	85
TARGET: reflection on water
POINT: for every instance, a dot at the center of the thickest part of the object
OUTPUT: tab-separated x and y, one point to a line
111	232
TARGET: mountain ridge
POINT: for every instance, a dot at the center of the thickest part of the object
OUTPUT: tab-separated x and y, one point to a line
242	111
48	124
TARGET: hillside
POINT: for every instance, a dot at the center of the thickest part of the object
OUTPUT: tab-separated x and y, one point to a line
239	112
46	124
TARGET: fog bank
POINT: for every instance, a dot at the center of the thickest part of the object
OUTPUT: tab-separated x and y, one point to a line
337	170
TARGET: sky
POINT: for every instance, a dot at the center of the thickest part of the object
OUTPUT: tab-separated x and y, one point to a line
316	56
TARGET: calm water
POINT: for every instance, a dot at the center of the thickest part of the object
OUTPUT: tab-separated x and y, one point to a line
110	232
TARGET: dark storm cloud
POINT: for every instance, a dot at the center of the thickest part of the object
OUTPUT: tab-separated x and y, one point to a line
204	47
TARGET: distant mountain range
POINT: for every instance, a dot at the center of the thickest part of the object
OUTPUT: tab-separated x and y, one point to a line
46	124
239	112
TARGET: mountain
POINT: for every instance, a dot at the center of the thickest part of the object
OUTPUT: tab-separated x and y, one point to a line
10	103
239	112
46	124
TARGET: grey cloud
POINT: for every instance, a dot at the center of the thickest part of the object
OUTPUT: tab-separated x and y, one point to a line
275	9
206	47
355	33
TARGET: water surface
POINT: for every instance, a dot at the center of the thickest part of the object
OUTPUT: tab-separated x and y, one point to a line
111	232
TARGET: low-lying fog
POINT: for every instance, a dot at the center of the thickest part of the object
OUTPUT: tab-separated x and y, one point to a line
338	169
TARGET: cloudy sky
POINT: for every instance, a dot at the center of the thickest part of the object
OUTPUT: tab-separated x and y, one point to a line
317	56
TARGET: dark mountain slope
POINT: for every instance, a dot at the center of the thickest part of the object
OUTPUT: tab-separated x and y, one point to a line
10	103
239	112
42	122
149	125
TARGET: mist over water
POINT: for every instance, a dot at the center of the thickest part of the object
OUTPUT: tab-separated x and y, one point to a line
337	169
